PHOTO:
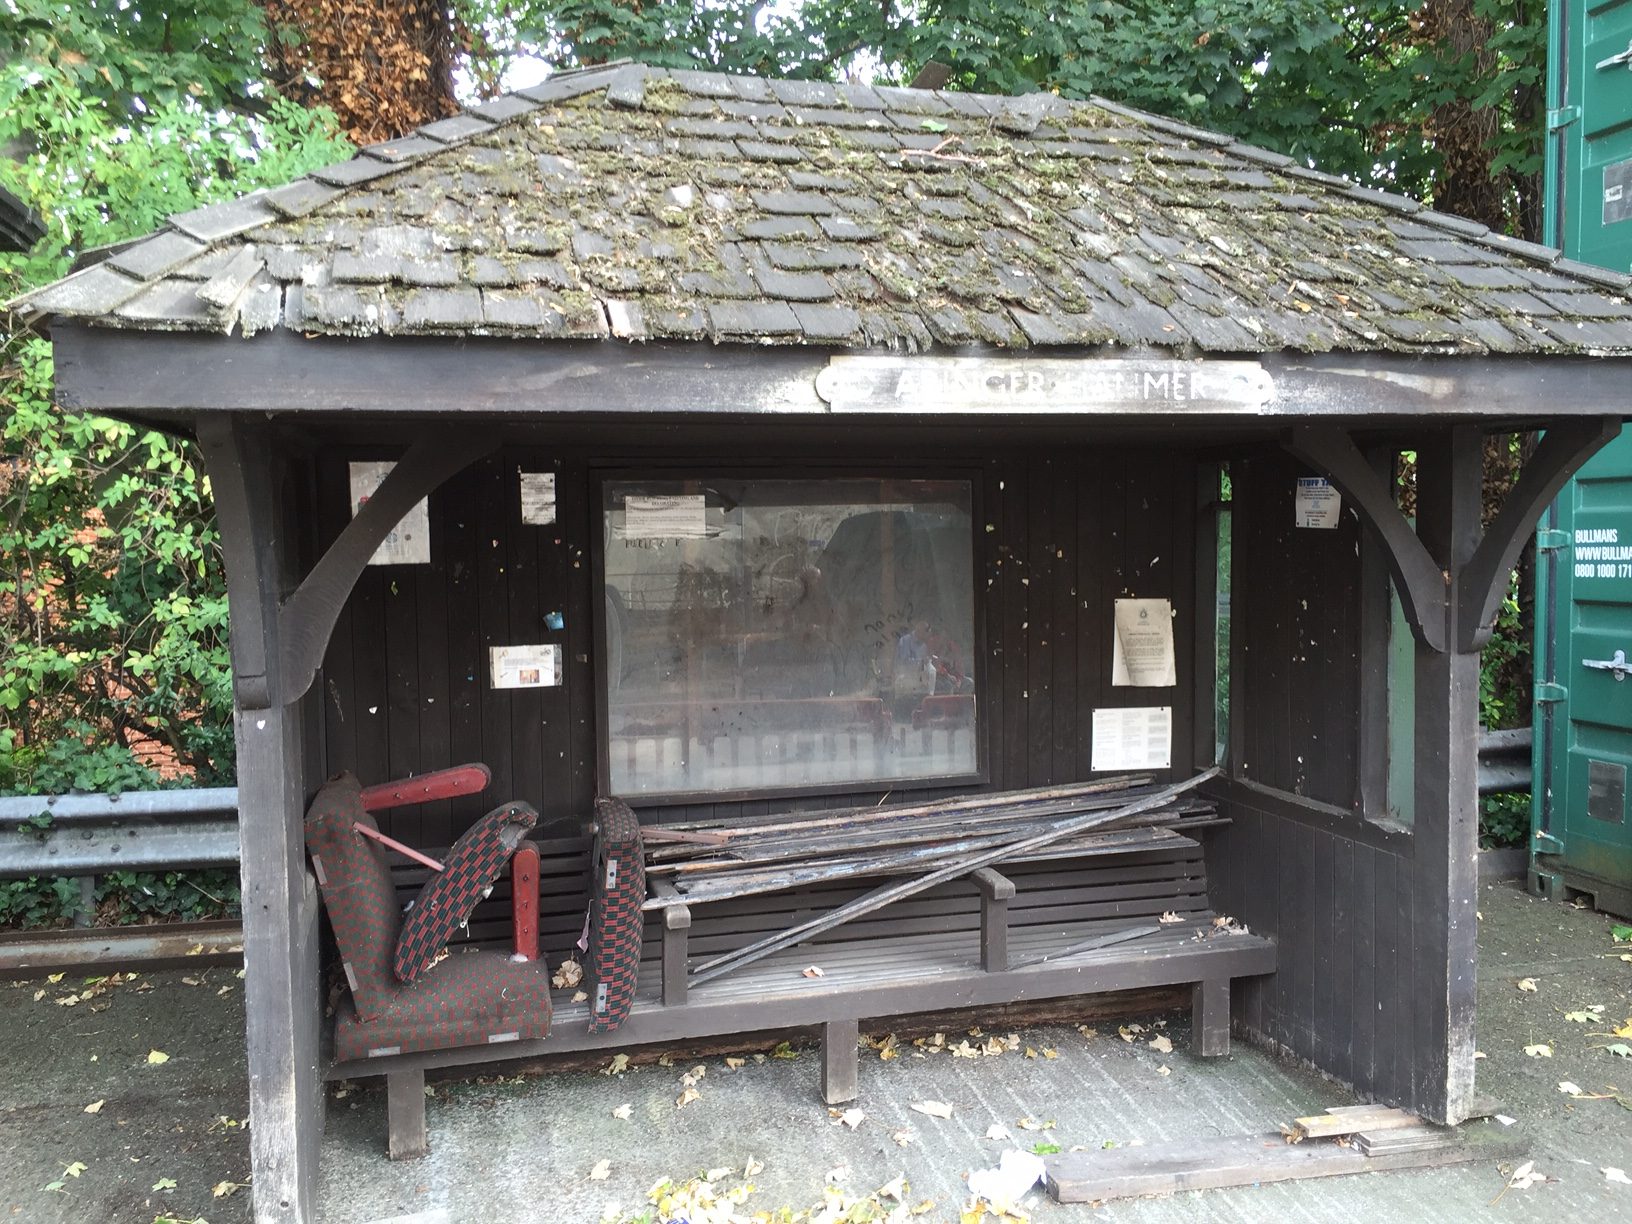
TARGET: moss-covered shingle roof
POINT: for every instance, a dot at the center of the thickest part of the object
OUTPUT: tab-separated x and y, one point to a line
647	204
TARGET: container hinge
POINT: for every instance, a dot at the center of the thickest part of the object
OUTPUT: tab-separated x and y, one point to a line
1547	692
1562	117
1545	843
1550	538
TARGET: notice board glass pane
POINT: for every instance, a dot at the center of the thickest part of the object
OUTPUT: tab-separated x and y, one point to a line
776	634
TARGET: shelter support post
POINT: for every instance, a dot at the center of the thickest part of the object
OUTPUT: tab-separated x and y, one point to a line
277	645
1450	575
1445	880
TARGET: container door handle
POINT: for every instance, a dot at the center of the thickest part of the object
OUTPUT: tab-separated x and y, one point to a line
1625	57
1618	666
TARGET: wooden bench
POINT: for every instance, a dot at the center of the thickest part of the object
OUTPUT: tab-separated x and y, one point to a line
977	941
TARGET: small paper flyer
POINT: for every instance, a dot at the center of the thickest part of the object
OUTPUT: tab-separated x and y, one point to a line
1317	504
681	516
1137	738
410	541
538	498
525	666
1142	649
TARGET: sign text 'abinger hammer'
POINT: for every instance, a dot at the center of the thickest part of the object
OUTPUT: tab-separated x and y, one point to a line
1041	385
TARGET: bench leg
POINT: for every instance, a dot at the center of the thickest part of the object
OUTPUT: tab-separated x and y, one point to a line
1210	1017
405	1115
674	965
839	1060
994	935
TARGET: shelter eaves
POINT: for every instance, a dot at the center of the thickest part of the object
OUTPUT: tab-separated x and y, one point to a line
642	203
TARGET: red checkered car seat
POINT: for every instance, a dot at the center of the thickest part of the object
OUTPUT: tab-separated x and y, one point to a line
470	998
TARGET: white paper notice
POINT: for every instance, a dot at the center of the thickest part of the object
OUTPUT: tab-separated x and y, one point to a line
1140	738
525	666
683	516
538	498
410	540
1317	503
1142	650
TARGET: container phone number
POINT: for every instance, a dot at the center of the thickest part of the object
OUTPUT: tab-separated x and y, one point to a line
1599	553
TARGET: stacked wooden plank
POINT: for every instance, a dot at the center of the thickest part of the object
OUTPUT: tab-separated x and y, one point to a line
708	860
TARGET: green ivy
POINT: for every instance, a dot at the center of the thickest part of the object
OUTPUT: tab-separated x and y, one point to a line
36	902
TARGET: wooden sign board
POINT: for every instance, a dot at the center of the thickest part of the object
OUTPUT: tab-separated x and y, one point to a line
1042	385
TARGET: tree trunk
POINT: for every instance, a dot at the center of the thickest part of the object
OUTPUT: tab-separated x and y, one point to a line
1461	133
382	66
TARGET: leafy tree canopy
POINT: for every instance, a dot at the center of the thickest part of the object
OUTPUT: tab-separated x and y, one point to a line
112	601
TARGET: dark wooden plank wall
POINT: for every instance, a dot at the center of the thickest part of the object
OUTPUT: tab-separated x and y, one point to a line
1295	607
1060	533
1301	862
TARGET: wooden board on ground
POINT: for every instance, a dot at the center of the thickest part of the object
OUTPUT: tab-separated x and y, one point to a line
1243	1160
1351	1120
1407	1139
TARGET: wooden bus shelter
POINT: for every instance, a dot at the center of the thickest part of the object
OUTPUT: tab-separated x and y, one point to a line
629	316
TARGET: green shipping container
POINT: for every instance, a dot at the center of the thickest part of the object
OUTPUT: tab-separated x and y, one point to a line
1588	185
1580	836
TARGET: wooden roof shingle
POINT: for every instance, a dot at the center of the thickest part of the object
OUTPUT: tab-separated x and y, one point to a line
640	203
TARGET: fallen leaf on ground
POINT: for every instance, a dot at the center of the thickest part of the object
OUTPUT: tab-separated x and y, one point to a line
935	1109
601	1171
1540	1050
68	1000
165	1183
1031	1124
814	971
1527	984
1050	1052
74	1169
895	1189
1567	1086
38	995
1619	1050
837	1174
998	1132
1088	1031
618	1065
1169	918
1579	1017
1162	1044
155	1057
225	1189
623	1112
1616	1175
569	974
1526	1176
752	1168
54	978
735	1063
579	996
1164	1070
852	1118
687	1097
